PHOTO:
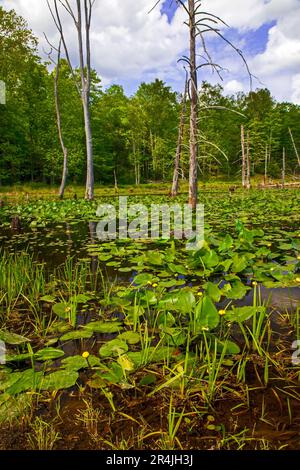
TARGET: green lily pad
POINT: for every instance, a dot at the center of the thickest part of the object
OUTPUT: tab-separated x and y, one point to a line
78	334
104	327
59	380
181	301
47	354
12	338
143	279
78	362
113	348
241	314
206	315
62	310
130	337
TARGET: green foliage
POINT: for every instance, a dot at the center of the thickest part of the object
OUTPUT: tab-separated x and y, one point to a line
135	137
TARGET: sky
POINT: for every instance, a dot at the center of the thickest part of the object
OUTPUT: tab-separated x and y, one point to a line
131	45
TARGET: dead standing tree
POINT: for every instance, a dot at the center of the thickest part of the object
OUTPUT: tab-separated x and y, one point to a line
58	116
248	158
81	17
175	185
200	23
244	165
193	178
283	169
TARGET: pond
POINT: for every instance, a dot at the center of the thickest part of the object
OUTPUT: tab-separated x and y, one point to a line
143	332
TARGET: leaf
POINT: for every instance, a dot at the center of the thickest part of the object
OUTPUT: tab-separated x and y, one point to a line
135	311
239	263
47	354
125	270
113	348
78	362
228	347
48	298
114	374
226	243
27	380
180	301
62	310
166	319
130	337
137	358
80	298
104	327
125	363
18	357
206	314
241	314
178	268
12	338
174	336
148	297
148	379
160	354
211	259
79	334
213	291
226	264
8	379
59	380
142	279
238	290
155	258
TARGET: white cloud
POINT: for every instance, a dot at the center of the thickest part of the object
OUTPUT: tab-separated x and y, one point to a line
296	88
233	86
131	45
126	40
249	14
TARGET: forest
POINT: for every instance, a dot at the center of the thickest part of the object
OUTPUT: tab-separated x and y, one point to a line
149	240
134	137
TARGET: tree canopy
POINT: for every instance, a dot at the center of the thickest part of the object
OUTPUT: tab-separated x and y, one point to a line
134	137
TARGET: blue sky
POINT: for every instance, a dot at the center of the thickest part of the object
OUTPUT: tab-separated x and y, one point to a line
169	7
129	45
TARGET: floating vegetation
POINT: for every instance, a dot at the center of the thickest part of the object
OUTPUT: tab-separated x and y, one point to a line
133	329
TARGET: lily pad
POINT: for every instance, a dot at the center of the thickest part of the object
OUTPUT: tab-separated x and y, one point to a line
206	314
130	337
12	338
113	348
47	354
78	334
59	380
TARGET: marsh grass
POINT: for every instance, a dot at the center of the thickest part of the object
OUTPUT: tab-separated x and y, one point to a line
20	278
43	435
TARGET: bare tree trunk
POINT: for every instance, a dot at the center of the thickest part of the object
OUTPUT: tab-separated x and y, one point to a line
294	145
86	88
89	190
248	158
270	145
266	166
193	178
283	168
135	161
85	72
116	181
175	185
59	127
243	157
